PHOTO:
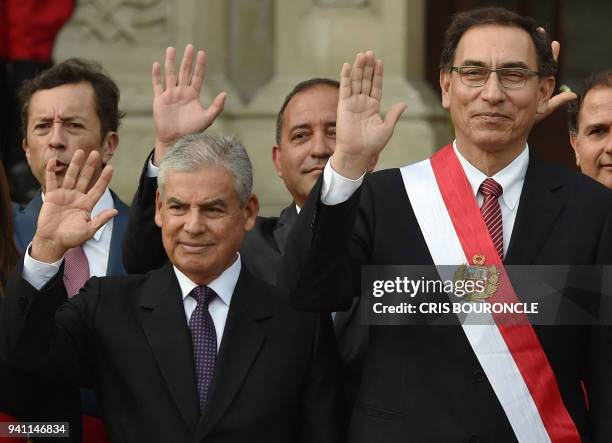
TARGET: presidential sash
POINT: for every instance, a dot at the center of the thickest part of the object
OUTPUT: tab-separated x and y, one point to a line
507	347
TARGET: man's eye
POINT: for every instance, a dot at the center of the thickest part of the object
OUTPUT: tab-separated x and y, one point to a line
514	75
298	136
596	131
42	125
75	125
475	73
332	131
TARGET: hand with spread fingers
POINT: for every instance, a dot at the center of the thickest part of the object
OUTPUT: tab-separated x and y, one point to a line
560	99
177	110
361	133
65	217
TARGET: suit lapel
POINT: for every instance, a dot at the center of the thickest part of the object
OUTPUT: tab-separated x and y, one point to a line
241	342
115	256
287	218
539	206
165	326
25	222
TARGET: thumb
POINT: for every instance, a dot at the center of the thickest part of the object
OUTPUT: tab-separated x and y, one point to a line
102	218
393	115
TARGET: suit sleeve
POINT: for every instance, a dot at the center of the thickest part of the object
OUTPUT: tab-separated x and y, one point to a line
43	333
143	249
324	252
599	379
323	414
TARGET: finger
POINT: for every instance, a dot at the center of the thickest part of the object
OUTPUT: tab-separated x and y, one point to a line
216	107
541	30
357	73
556	48
101	219
559	100
88	171
393	116
185	68
200	69
158	87
377	80
100	185
368	73
345	81
50	178
74	168
169	67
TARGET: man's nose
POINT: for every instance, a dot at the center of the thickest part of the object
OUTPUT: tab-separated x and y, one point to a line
608	142
194	222
493	91
58	136
323	145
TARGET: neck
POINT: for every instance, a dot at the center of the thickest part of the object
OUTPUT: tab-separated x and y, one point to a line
489	161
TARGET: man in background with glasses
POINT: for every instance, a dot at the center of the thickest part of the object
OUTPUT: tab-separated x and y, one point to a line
482	201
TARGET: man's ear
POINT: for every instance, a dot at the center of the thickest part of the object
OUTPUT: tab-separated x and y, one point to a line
445	85
110	143
158	206
276	155
251	209
26	149
545	92
574	143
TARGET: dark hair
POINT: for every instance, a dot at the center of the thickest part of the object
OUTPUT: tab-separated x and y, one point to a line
73	71
462	21
601	79
8	250
300	87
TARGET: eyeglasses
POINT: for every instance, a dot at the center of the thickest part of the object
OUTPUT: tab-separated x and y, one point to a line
476	76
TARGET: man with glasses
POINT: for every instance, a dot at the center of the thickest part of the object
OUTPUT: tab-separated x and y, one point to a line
482	201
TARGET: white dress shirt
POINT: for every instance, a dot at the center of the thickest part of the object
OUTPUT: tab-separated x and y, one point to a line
337	189
96	249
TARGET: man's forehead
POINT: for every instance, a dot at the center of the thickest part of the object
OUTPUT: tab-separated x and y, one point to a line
316	100
496	45
200	185
75	99
597	106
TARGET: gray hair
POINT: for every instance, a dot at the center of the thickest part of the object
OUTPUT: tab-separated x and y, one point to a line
195	151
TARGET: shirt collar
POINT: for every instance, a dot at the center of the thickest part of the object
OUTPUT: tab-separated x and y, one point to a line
105	202
223	285
510	178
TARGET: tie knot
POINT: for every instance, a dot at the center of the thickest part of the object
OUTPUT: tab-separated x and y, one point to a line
203	295
490	187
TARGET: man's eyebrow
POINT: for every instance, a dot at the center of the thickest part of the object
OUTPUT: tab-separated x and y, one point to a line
591	126
512	64
299	126
212	202
176	201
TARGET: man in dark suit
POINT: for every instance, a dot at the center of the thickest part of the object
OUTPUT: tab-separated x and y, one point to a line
73	105
198	350
484	382
590	127
305	138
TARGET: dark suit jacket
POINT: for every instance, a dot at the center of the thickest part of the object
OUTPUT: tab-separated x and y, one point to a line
41	400
424	383
261	251
275	378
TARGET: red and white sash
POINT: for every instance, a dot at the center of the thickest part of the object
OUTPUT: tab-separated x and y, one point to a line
506	347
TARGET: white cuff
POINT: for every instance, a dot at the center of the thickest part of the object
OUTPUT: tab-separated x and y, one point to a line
38	273
337	188
152	170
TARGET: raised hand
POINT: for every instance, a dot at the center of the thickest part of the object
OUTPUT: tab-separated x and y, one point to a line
65	217
361	133
177	109
561	98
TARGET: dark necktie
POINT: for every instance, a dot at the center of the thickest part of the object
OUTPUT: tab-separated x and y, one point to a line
491	213
76	270
204	341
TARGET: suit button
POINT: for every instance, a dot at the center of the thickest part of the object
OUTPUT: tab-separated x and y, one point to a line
479	376
474	439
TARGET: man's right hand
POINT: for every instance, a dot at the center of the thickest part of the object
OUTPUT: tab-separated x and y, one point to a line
65	219
361	134
177	110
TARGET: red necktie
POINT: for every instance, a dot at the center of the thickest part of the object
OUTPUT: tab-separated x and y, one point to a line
491	213
76	270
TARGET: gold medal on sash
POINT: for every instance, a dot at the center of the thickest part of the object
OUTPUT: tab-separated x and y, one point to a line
485	279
